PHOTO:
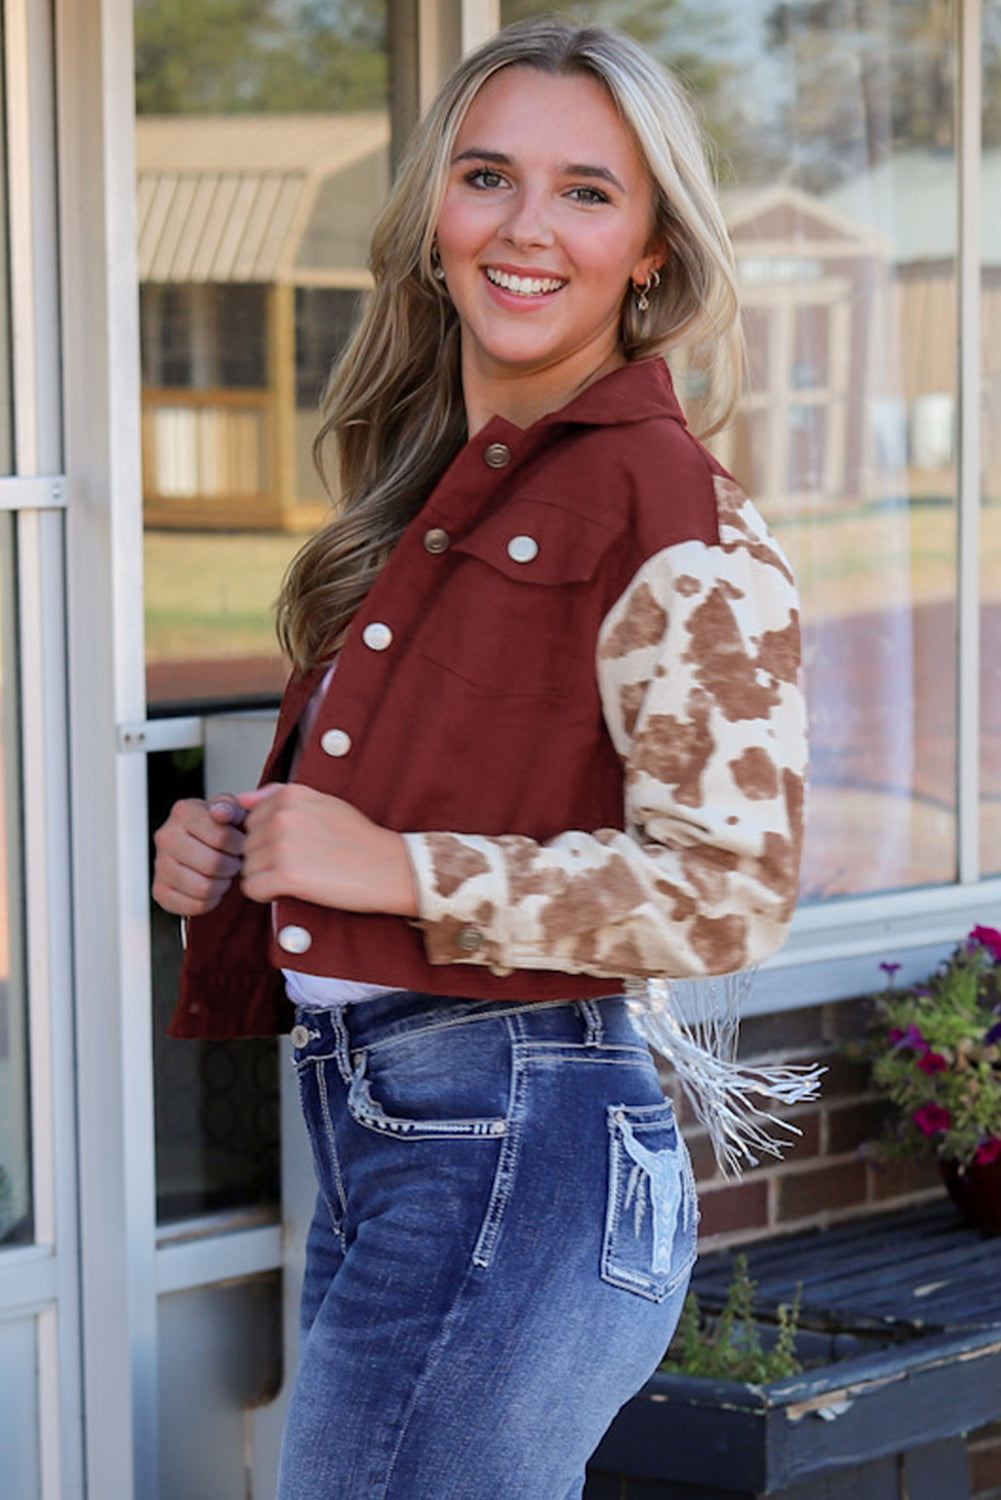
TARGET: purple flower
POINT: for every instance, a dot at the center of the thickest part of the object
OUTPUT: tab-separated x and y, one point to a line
989	938
890	971
933	1062
988	1151
994	1035
912	1038
932	1119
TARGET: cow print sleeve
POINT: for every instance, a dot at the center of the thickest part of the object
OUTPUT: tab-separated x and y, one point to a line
698	667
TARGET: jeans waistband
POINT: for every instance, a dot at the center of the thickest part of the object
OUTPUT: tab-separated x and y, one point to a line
370	1023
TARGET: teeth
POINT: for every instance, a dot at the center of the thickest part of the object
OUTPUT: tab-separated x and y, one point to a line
525	286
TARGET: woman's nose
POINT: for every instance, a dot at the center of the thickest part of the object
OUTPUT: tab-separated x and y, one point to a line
528	222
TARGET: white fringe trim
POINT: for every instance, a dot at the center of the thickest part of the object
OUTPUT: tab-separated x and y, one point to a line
694	1024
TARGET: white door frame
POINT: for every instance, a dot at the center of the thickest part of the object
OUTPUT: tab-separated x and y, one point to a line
40	1281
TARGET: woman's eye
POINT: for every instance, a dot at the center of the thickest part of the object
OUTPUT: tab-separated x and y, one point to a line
588	195
485	177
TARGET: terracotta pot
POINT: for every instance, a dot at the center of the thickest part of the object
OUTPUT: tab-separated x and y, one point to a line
976	1191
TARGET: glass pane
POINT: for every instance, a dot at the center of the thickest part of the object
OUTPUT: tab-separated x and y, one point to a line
15	1146
19	1413
835	130
263	156
217	1106
990	413
6	391
15	1141
219	1354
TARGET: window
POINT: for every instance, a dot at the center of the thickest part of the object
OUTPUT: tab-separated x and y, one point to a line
263	142
263	139
836	135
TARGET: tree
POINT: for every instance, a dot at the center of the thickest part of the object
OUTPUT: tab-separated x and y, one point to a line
232	56
870	77
689	36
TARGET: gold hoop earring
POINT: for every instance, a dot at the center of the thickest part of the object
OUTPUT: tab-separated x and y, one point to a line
642	293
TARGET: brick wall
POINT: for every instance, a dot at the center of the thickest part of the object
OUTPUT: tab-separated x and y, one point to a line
824	1176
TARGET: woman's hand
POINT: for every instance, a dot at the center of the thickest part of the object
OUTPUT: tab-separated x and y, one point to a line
198	852
303	843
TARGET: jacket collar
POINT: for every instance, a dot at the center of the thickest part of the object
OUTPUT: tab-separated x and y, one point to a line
635	392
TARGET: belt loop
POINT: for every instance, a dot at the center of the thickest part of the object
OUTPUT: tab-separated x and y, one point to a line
594	1029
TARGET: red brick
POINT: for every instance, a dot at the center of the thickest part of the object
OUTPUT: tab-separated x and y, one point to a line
741	1206
797	1147
787	1031
807	1143
848	1020
703	1156
897	1179
845	1078
984	1448
821	1189
852	1125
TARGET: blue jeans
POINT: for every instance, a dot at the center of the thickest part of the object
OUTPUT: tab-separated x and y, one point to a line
504	1234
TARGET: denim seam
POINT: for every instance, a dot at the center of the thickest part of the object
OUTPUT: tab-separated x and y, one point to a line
342	1043
328	1126
507	1162
577	1052
496	1013
430	1365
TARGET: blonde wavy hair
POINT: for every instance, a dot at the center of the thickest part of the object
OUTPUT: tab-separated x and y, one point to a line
394	404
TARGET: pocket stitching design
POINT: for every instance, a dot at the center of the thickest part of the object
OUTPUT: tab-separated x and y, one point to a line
623	1190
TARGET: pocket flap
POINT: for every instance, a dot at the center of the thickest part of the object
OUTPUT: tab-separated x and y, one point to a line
540	541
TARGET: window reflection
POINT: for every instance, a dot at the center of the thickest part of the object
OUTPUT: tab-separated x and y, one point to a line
263	158
990	417
216	1103
835	133
15	1140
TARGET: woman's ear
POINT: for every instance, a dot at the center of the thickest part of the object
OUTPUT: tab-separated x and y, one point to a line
654	260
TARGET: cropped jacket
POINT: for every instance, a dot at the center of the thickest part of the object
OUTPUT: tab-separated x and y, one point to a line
574	689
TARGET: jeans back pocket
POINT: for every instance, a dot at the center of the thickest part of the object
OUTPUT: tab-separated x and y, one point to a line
651	1223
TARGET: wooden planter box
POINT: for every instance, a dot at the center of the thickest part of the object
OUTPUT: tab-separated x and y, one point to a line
906	1312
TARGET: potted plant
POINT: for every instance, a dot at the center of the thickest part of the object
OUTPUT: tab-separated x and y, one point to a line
935	1053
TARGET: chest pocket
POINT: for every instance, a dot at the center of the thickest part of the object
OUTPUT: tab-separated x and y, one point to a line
516	614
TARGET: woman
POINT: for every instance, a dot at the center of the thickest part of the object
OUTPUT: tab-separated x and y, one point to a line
543	733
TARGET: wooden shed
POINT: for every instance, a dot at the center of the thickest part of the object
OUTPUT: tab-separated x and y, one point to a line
253	238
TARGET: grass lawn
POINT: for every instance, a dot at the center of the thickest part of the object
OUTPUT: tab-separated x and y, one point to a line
211	594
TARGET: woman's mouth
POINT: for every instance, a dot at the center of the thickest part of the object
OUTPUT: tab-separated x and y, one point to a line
524	286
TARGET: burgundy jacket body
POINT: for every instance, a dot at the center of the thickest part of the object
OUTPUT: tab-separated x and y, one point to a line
476	708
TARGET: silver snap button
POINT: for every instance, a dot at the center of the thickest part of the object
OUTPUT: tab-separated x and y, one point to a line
295	939
336	742
469	939
377	637
300	1036
436	540
620	1117
522	549
498	1128
497	455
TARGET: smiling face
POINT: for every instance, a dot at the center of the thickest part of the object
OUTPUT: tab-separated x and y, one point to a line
547	218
